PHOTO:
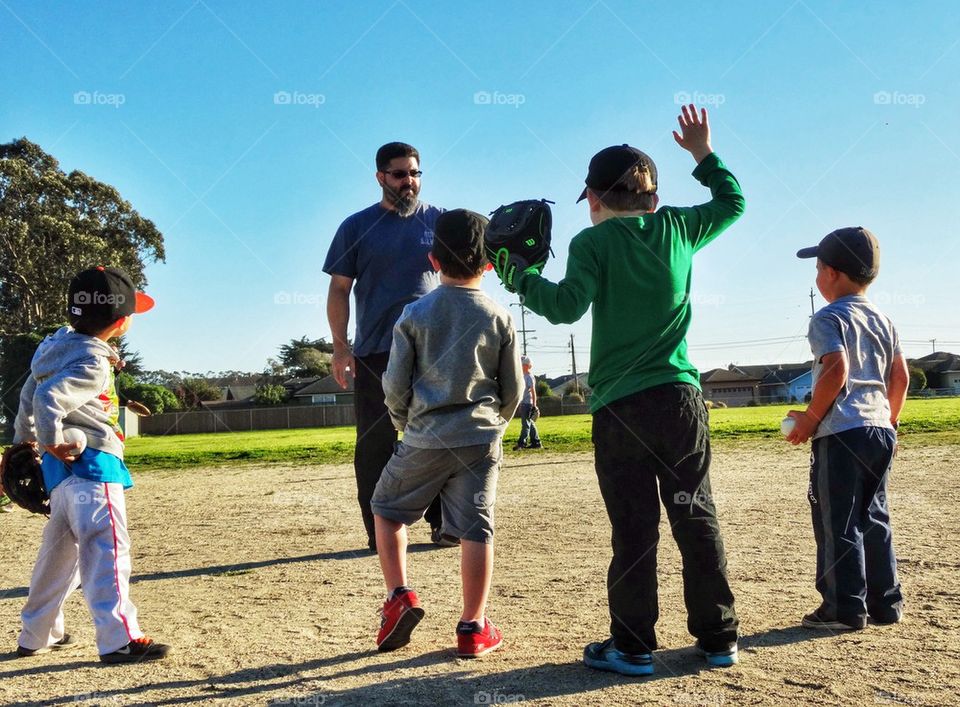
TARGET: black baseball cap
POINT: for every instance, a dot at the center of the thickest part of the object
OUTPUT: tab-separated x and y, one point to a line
852	250
459	230
610	164
100	296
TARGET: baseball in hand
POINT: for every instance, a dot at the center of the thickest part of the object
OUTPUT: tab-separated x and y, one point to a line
78	439
787	425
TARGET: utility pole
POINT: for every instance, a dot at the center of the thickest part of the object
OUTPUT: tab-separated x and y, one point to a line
811	302
573	357
934	343
523	325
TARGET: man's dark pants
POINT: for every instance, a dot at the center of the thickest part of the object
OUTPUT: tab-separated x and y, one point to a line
376	437
660	437
856	565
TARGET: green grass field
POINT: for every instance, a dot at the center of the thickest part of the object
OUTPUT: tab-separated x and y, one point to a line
924	421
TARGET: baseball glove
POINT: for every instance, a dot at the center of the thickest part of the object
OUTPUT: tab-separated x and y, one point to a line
22	478
534	414
517	239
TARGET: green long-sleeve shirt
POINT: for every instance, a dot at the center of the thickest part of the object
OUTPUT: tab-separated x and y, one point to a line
635	271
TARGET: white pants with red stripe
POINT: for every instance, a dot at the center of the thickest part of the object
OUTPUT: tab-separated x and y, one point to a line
85	541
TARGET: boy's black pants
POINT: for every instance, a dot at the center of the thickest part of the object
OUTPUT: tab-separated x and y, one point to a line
658	440
856	565
375	437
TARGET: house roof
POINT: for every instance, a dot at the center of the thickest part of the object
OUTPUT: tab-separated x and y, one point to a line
561	382
295	384
239	392
939	362
784	375
324	386
722	375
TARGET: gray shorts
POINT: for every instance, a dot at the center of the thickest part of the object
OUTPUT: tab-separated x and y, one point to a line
464	477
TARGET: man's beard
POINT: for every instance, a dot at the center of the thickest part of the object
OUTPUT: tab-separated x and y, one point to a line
405	203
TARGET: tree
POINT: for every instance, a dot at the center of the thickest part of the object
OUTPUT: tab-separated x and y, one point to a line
193	391
918	379
305	358
270	394
132	360
155	397
543	389
52	226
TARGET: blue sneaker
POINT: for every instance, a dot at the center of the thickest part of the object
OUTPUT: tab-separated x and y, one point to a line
723	658
605	656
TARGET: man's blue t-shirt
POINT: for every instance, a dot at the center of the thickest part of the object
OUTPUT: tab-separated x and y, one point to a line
386	255
853	324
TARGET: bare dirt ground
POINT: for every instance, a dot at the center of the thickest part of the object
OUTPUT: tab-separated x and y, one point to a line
255	576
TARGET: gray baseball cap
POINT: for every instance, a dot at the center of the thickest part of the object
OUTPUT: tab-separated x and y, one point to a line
852	250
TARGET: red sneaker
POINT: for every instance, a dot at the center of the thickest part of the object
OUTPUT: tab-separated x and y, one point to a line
400	615
473	641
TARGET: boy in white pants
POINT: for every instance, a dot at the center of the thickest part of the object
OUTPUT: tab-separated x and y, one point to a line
71	387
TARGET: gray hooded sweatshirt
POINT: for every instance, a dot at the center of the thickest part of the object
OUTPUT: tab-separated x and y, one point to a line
71	385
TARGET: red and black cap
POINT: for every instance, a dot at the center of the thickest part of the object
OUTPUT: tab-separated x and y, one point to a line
852	250
100	296
608	167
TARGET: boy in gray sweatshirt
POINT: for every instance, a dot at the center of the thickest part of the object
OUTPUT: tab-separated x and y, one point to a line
71	389
452	385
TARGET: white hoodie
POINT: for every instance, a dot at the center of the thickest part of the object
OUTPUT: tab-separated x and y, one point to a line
70	385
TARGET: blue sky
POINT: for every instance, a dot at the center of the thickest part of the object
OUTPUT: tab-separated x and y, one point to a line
247	134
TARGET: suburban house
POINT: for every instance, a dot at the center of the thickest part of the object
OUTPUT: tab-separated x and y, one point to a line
559	385
941	368
324	391
782	382
730	386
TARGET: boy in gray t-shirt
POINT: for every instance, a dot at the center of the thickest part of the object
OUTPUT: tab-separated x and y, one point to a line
860	382
452	384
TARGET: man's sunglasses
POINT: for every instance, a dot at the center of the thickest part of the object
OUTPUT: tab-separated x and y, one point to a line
403	173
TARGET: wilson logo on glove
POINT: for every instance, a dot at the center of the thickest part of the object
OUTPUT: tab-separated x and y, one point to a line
517	239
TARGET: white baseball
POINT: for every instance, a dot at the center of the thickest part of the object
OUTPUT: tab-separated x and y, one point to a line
73	436
787	425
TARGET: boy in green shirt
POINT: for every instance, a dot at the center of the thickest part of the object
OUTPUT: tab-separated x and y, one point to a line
650	424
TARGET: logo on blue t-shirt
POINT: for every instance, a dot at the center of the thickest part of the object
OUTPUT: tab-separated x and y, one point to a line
427	238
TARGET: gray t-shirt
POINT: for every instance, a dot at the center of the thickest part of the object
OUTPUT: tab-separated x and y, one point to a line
855	326
527	389
454	377
386	255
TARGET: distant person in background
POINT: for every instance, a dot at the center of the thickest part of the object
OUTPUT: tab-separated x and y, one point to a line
380	254
528	411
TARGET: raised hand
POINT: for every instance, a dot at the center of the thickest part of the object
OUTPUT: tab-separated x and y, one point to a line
694	136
